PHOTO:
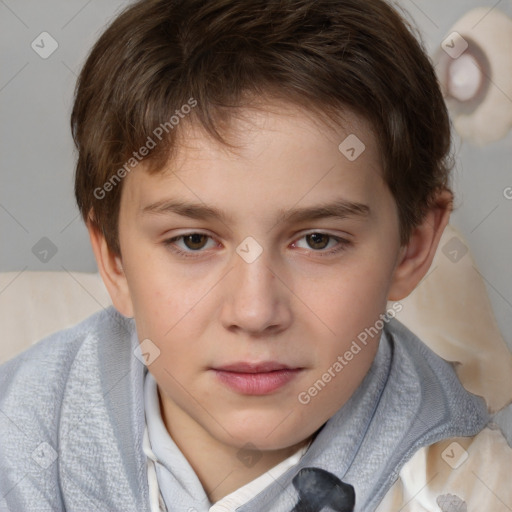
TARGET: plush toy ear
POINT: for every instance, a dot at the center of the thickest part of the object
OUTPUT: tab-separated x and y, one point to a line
111	270
469	56
416	257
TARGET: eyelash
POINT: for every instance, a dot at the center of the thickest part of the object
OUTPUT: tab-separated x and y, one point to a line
342	245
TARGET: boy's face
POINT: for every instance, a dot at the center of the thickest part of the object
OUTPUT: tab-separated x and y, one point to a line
253	287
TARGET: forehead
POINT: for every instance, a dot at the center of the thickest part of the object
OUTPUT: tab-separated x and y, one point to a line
278	120
284	155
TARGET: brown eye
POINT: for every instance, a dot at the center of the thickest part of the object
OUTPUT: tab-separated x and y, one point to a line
318	240
195	241
190	245
321	244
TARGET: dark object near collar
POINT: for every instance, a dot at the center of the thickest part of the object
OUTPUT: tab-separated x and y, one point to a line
318	488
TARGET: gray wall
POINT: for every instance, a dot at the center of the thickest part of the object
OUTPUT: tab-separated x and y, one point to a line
36	149
36	152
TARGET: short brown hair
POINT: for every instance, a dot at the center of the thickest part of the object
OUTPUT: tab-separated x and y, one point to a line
322	55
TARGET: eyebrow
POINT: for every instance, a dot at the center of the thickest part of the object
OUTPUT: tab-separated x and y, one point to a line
338	209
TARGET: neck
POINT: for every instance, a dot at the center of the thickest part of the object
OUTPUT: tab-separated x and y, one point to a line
220	468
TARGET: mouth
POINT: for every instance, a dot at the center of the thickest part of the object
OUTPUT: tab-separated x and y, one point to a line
256	378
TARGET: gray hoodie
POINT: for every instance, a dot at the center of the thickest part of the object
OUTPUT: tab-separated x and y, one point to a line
72	424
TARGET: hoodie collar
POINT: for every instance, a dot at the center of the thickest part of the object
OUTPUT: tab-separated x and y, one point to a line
409	398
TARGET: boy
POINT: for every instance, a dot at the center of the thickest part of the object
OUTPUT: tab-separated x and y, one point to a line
258	180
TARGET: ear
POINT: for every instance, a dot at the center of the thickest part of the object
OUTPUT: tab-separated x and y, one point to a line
111	271
416	256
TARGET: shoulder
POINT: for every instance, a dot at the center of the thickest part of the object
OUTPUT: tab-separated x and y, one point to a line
35	379
438	386
55	353
435	374
461	473
34	385
410	343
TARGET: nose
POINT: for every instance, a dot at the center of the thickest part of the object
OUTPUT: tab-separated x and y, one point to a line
256	297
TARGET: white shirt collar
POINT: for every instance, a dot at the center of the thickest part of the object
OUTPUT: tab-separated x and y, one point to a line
160	448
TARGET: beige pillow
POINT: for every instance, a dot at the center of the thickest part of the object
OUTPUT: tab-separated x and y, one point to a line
35	304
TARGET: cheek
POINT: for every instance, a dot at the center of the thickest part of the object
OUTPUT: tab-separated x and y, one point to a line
352	298
161	295
165	309
171	313
344	328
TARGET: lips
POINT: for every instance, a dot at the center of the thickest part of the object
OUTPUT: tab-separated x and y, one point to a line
265	367
256	378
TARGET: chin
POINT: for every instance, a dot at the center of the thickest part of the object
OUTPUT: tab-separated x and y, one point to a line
264	431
